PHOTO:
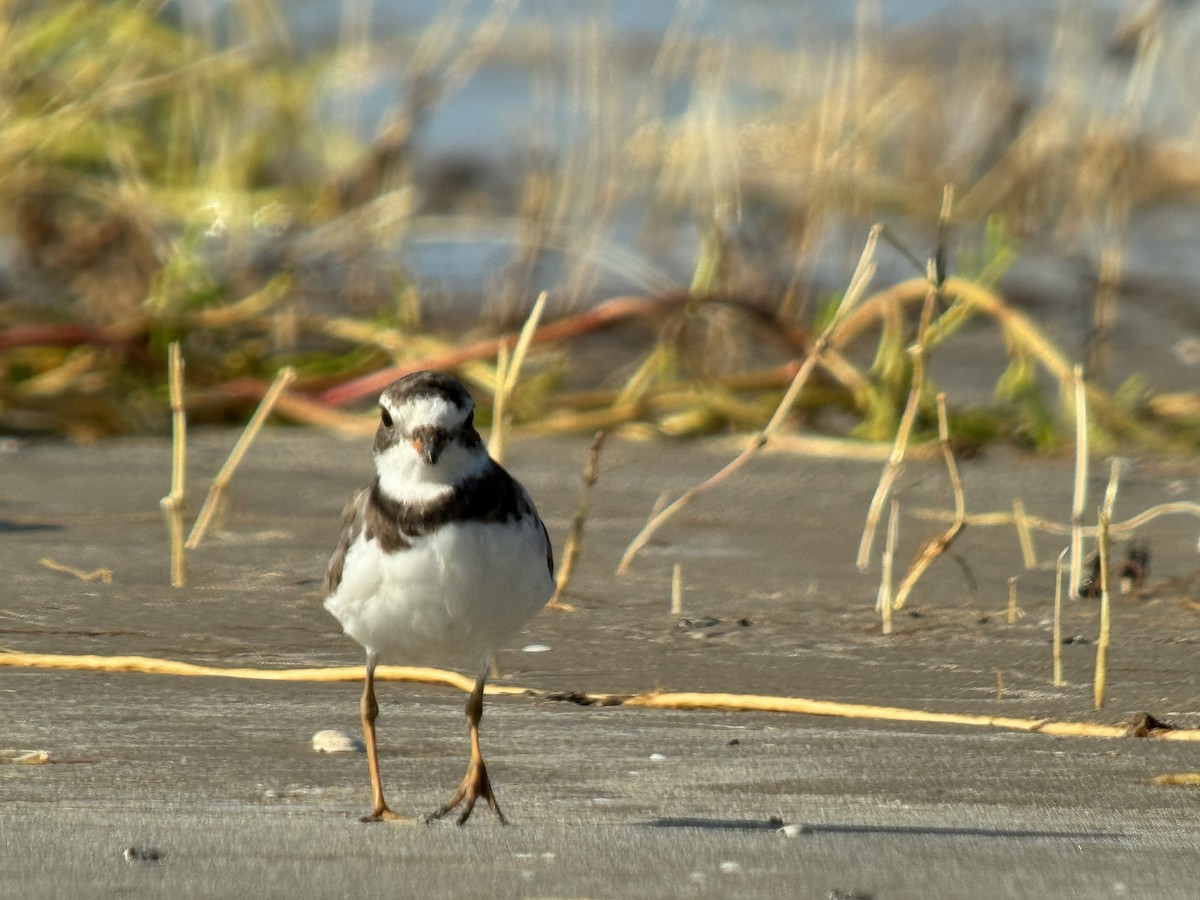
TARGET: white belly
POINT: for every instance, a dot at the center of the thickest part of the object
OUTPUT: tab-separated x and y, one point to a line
450	599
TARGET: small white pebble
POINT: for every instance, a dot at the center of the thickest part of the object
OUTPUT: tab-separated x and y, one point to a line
729	867
792	830
334	740
658	757
535	648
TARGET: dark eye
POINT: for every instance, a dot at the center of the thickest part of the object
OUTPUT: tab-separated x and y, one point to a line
385	417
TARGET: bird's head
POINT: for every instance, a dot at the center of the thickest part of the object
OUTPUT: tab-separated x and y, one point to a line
426	441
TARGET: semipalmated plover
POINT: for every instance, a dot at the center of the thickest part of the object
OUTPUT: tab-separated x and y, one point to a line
442	558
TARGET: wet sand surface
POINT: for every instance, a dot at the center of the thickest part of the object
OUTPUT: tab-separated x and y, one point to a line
219	778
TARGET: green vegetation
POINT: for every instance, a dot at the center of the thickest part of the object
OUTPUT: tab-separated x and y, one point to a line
170	180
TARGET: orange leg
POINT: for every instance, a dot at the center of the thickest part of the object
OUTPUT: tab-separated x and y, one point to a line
475	783
370	712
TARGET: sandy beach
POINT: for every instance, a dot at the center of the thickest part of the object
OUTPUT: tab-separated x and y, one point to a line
217	777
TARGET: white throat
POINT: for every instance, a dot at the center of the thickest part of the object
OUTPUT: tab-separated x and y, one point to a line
405	477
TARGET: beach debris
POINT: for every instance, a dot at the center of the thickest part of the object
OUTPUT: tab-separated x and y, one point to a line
1145	725
1177	779
334	740
535	648
19	757
103	575
574	541
142	854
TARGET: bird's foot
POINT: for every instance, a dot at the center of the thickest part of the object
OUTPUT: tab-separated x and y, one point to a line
475	784
382	814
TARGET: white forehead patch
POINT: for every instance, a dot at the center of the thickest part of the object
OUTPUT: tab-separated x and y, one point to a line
428	410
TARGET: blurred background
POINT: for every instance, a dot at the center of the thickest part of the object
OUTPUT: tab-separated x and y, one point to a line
355	187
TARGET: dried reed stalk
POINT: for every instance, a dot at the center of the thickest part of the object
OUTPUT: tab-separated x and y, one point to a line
1024	534
250	307
1081	469
895	463
217	491
172	504
103	574
1100	681
677	589
936	546
651	700
574	542
610	312
1056	631
495	444
508	371
1104	313
1037	523
1170	779
884	603
858	284
1013	611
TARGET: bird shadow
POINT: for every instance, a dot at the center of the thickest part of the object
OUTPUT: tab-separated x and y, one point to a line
8	526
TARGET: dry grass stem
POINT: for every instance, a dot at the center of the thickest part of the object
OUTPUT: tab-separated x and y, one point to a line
1104	314
1081	470
508	371
1037	523
1100	682
936	546
843	448
858	284
1100	679
895	463
1014	612
677	589
884	602
608	312
221	481
524	340
103	575
650	700
1176	779
1056	631
1024	534
1114	481
172	504
495	444
574	541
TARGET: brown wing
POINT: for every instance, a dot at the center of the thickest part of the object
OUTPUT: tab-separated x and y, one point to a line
353	517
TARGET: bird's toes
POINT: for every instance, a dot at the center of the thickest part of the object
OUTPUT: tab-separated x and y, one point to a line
382	815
